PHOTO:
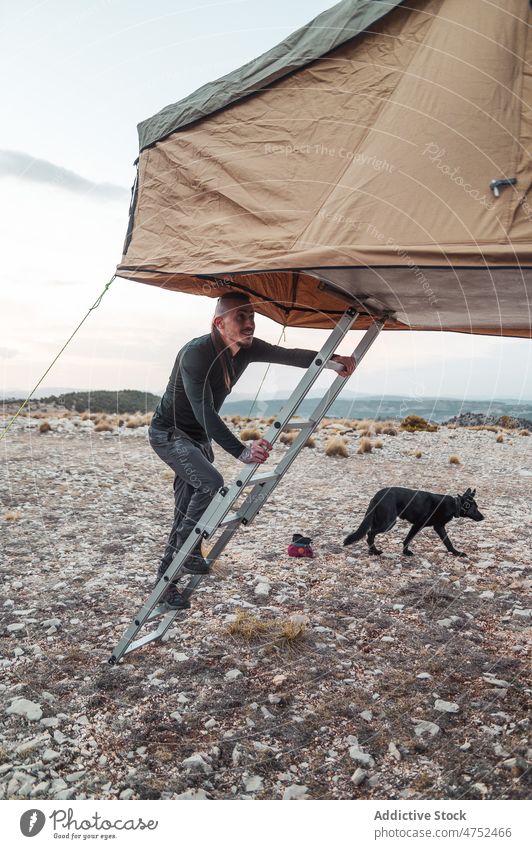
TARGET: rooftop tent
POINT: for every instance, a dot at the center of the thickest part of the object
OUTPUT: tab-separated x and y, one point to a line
380	155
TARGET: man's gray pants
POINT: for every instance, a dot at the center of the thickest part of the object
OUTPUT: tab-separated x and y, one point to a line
196	482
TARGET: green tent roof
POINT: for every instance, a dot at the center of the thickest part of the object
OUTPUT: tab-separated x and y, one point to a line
324	33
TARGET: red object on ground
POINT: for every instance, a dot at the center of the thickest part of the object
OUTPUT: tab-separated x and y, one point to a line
300	550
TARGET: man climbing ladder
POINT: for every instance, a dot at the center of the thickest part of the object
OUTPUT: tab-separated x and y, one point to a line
187	419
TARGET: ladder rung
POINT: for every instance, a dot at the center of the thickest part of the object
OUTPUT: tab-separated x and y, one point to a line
298	425
230	518
263	477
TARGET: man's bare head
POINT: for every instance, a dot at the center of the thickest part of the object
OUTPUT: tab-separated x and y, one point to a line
234	318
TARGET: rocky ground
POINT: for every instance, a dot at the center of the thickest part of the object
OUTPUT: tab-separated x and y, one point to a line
346	676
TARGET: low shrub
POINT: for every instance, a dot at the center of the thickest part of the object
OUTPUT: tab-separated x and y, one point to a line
336	447
499	438
454	460
249	433
415	423
44	427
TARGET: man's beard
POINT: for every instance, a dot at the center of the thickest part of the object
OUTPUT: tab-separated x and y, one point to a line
245	341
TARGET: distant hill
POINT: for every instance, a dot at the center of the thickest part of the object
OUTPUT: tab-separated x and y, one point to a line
389	407
349	406
104	401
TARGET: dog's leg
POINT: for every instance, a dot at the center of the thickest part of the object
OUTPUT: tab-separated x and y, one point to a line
415	529
371	543
442	533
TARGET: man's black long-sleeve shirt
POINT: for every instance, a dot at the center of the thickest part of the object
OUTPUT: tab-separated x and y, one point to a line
196	389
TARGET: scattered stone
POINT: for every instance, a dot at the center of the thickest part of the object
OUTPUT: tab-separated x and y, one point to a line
446	707
232	674
394	751
253	783
24	707
360	757
197	764
295	791
424	726
194	795
128	793
358	776
179	656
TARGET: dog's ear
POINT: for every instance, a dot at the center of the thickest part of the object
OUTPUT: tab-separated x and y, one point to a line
466	493
474	492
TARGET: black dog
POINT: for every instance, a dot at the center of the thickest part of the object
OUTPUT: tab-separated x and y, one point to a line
421	509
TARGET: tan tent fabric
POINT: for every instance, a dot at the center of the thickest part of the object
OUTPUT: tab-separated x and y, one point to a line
367	171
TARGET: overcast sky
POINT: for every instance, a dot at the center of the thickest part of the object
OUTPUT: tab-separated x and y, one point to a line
77	78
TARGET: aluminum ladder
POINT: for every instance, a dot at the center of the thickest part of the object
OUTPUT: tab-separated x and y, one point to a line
261	484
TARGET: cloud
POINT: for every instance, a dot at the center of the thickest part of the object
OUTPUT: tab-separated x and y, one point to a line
7	353
25	167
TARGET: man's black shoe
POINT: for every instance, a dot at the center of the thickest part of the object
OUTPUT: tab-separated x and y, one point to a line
174	599
196	565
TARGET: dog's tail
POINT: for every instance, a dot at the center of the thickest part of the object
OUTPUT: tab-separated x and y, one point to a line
361	531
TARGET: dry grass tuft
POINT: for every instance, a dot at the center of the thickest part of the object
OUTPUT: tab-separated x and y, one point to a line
524	432
418	454
454	460
415	423
102	426
134	422
44	427
310	443
336	447
365	446
378	443
499	438
288	437
389	429
12	516
280	633
249	433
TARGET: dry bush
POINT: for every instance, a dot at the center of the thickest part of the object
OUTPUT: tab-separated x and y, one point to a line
366	432
44	427
389	429
377	427
378	443
12	515
134	422
418	454
499	438
336	447
235	419
365	446
278	632
102	426
310	443
364	425
454	460
491	428
415	423
288	437
524	432
249	433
